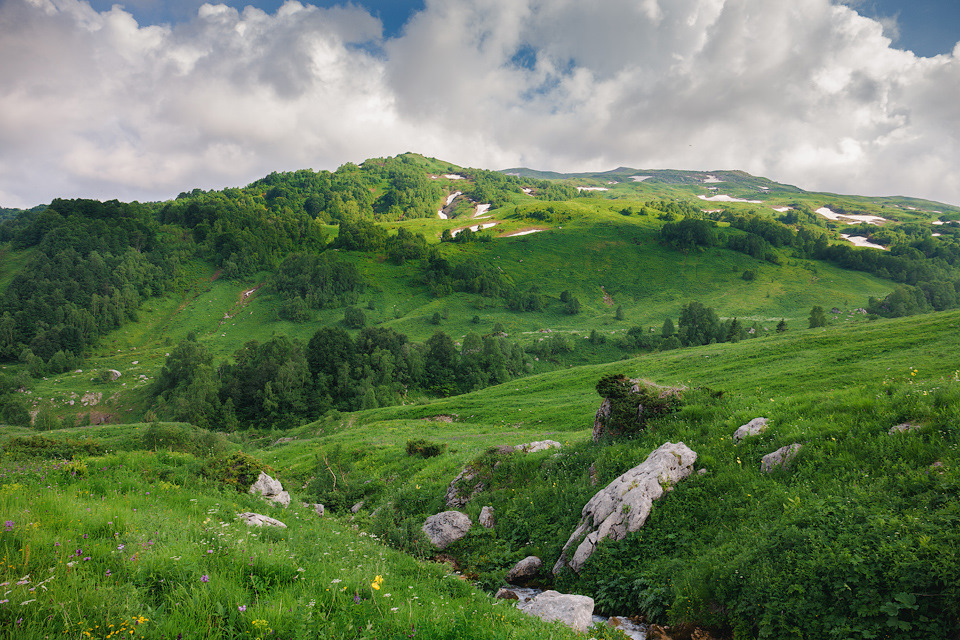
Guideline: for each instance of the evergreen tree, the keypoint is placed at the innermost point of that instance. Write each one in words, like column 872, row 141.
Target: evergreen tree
column 817, row 317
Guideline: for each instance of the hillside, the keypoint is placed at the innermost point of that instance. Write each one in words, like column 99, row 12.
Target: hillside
column 369, row 332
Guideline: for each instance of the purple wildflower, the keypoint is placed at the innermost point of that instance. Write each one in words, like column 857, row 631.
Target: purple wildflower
column 241, row 608
column 204, row 578
column 9, row 525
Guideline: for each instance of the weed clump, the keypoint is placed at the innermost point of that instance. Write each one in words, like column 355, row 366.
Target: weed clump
column 424, row 448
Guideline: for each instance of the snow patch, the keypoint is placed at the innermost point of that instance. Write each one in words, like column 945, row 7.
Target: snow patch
column 592, row 189
column 453, row 196
column 712, row 180
column 781, row 209
column 856, row 218
column 860, row 241
column 938, row 222
column 521, row 233
column 442, row 215
column 639, row 178
column 452, row 176
column 481, row 209
column 724, row 198
column 476, row 227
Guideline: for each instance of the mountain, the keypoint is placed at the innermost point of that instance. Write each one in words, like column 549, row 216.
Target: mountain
column 370, row 332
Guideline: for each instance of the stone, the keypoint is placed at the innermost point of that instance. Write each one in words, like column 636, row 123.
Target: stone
column 753, row 428
column 506, row 594
column 443, row 529
column 525, row 570
column 270, row 489
column 356, row 508
column 903, row 427
column 463, row 488
column 114, row 374
column 779, row 458
column 257, row 520
column 624, row 505
column 574, row 611
column 539, row 445
column 486, row 518
column 316, row 506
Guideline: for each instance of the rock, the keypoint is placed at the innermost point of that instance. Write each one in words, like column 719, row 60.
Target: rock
column 780, row 457
column 445, row 528
column 624, row 504
column 283, row 441
column 506, row 594
column 356, row 508
column 270, row 489
column 114, row 374
column 638, row 392
column 573, row 611
column 463, row 488
column 486, row 518
column 903, row 427
column 600, row 419
column 592, row 473
column 257, row 520
column 316, row 506
column 753, row 428
column 539, row 445
column 525, row 570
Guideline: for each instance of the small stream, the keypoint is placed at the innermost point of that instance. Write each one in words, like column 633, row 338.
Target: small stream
column 632, row 629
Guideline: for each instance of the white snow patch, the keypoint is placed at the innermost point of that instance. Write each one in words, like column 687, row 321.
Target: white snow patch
column 453, row 196
column 452, row 176
column 476, row 227
column 592, row 189
column 938, row 222
column 781, row 209
column 712, row 180
column 481, row 209
column 860, row 241
column 857, row 219
column 937, row 235
column 522, row 233
column 723, row 198
column 639, row 178
column 442, row 215
column 527, row 190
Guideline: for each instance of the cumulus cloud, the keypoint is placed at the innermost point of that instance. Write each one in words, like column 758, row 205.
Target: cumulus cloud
column 811, row 93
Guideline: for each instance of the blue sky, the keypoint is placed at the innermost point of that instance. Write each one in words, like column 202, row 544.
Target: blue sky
column 144, row 99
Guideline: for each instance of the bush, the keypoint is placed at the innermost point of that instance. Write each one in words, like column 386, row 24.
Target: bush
column 424, row 448
column 633, row 403
column 185, row 438
column 238, row 470
column 50, row 449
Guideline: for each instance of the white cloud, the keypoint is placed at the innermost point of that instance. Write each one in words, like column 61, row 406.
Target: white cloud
column 93, row 104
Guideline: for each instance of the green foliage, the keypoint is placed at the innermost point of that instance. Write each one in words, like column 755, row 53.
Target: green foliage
column 633, row 404
column 317, row 281
column 817, row 318
column 44, row 448
column 184, row 438
column 239, row 470
column 424, row 448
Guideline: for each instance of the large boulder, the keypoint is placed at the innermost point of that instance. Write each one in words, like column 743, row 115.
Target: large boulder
column 525, row 570
column 753, row 428
column 779, row 458
column 270, row 489
column 624, row 505
column 443, row 529
column 256, row 520
column 573, row 611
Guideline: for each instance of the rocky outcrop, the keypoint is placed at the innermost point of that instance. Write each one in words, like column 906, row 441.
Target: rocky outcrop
column 463, row 488
column 539, row 445
column 486, row 518
column 753, row 428
column 640, row 399
column 573, row 611
column 903, row 427
column 601, row 418
column 270, row 489
column 525, row 570
column 446, row 528
column 779, row 458
column 624, row 505
column 257, row 520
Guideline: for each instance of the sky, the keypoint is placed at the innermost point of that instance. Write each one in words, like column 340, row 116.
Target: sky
column 143, row 99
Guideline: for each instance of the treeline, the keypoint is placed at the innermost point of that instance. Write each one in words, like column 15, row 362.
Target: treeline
column 697, row 325
column 92, row 265
column 926, row 266
column 282, row 383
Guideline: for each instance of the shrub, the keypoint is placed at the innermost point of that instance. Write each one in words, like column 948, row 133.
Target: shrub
column 238, row 470
column 633, row 403
column 50, row 449
column 424, row 448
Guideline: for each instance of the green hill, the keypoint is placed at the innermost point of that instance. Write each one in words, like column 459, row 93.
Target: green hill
column 324, row 321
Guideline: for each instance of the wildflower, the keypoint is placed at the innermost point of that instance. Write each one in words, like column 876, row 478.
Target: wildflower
column 394, row 608
column 356, row 598
column 376, row 583
column 335, row 581
column 120, row 547
column 108, row 573
column 9, row 525
column 204, row 578
column 241, row 608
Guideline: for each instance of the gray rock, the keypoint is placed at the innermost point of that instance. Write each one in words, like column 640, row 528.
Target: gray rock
column 114, row 374
column 316, row 506
column 600, row 420
column 463, row 488
column 356, row 508
column 257, row 520
column 539, row 445
column 573, row 611
column 624, row 504
column 780, row 457
column 443, row 529
column 270, row 489
column 486, row 518
column 525, row 570
column 903, row 427
column 753, row 428
column 506, row 594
